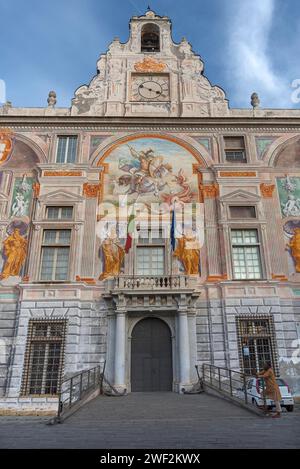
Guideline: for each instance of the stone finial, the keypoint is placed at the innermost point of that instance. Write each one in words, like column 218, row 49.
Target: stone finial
column 51, row 99
column 255, row 101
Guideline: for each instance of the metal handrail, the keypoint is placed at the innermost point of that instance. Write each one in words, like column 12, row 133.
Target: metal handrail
column 77, row 387
column 230, row 382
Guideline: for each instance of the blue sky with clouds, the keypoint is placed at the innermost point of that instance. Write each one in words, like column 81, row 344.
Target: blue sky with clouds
column 247, row 45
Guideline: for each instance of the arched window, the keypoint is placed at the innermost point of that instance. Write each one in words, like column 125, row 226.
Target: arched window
column 150, row 38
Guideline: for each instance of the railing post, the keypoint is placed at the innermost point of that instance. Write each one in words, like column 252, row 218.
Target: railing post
column 71, row 392
column 219, row 375
column 88, row 386
column 264, row 394
column 210, row 374
column 245, row 389
column 230, row 382
column 80, row 388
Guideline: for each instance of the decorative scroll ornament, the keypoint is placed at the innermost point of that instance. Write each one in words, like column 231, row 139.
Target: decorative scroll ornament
column 5, row 144
column 267, row 190
column 210, row 191
column 149, row 65
column 91, row 190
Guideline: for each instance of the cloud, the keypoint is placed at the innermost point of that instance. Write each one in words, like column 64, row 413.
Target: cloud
column 249, row 57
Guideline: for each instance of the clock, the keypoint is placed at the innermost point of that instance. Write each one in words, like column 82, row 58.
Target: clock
column 150, row 87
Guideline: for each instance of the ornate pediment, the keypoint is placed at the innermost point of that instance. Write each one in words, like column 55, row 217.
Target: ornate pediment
column 185, row 90
column 61, row 196
column 240, row 196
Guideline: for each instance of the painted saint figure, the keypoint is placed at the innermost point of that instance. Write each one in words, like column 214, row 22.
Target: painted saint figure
column 295, row 248
column 188, row 252
column 113, row 255
column 14, row 250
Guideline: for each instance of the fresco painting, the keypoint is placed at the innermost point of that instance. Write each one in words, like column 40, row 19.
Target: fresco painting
column 289, row 196
column 22, row 196
column 154, row 176
column 292, row 238
column 151, row 170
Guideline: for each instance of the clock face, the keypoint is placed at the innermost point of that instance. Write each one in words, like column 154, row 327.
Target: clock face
column 150, row 88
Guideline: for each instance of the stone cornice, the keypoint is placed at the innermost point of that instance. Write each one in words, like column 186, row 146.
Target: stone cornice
column 213, row 124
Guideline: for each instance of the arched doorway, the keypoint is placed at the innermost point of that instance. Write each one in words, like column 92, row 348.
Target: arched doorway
column 151, row 356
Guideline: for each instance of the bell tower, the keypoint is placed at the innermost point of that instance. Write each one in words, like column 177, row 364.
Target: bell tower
column 150, row 75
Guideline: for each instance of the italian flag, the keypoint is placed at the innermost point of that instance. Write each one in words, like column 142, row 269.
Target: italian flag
column 130, row 230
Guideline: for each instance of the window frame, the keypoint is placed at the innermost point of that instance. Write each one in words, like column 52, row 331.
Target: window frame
column 150, row 244
column 250, row 219
column 60, row 207
column 55, row 246
column 66, row 135
column 245, row 148
column 260, row 251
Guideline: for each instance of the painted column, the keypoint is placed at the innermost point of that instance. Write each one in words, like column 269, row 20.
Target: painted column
column 120, row 350
column 274, row 241
column 184, row 350
column 210, row 192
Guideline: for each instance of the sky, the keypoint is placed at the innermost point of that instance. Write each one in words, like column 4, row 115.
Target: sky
column 246, row 45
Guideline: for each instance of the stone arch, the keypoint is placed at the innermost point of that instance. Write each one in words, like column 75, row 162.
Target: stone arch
column 21, row 143
column 285, row 152
column 199, row 152
column 150, row 38
column 165, row 320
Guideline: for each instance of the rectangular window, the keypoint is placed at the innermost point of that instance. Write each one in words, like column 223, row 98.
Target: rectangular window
column 235, row 149
column 246, row 254
column 44, row 357
column 256, row 338
column 155, row 235
column 239, row 211
column 66, row 149
column 150, row 260
column 55, row 255
column 59, row 213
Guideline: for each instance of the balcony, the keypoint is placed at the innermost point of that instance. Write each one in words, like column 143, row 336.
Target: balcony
column 139, row 293
column 153, row 282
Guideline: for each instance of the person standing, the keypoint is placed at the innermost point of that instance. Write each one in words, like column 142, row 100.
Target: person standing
column 272, row 390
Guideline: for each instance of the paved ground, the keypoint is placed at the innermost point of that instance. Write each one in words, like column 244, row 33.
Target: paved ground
column 155, row 420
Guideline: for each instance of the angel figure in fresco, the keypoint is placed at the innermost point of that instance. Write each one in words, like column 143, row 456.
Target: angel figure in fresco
column 113, row 254
column 188, row 252
column 294, row 245
column 19, row 207
column 145, row 172
column 14, row 250
column 291, row 207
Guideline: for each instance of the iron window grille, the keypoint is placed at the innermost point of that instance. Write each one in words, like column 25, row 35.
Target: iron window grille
column 257, row 343
column 44, row 357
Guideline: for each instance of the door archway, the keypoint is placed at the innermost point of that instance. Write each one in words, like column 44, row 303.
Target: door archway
column 151, row 356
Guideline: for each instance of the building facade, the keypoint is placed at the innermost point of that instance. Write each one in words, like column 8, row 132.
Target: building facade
column 148, row 226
